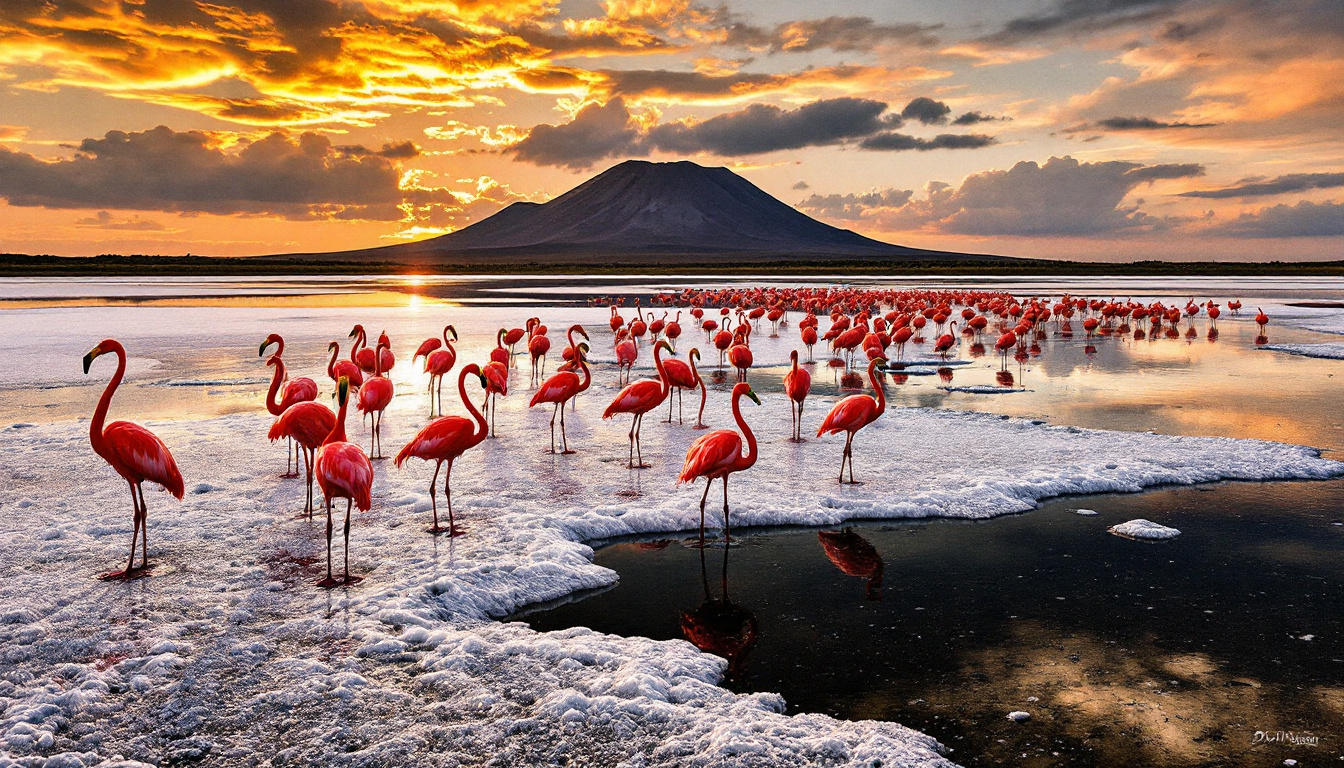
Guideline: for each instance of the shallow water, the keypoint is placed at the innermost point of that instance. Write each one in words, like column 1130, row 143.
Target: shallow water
column 969, row 625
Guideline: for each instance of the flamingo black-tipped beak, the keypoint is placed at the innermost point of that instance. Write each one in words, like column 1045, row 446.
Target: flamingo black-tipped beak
column 342, row 390
column 352, row 334
column 262, row 351
column 752, row 394
column 484, row 383
column 89, row 358
column 453, row 331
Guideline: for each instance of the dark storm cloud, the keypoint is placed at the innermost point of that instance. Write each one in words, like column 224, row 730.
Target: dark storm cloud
column 837, row 33
column 926, row 111
column 598, row 132
column 1293, row 182
column 1085, row 15
column 766, row 128
column 190, row 171
column 971, row 118
column 898, row 142
column 1306, row 219
column 1142, row 124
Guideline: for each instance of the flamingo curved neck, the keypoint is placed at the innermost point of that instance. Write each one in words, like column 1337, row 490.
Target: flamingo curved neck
column 361, row 341
column 662, row 373
column 273, row 405
column 331, row 364
column 337, row 434
column 482, row 428
column 105, row 402
column 750, row 459
column 587, row 375
column 881, row 396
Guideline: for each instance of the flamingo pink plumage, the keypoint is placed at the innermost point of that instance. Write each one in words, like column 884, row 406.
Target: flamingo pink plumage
column 559, row 388
column 283, row 393
column 307, row 424
column 135, row 453
column 444, row 440
column 638, row 399
column 797, row 385
column 343, row 471
column 854, row 413
column 437, row 363
column 374, row 397
column 338, row 368
column 718, row 454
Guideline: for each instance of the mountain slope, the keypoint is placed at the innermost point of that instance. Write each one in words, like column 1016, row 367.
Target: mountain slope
column 680, row 210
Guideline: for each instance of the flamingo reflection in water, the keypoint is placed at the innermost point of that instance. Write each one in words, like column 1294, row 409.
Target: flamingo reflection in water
column 854, row 556
column 720, row 627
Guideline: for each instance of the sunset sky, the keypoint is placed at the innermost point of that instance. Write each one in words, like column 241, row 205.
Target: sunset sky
column 1087, row 129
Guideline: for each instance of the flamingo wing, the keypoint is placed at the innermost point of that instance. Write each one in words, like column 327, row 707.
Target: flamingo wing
column 848, row 415
column 300, row 390
column 375, row 395
column 557, row 389
column 678, row 374
column 710, row 454
column 344, row 472
column 308, row 423
column 440, row 361
column 427, row 346
column 797, row 384
column 443, row 438
column 138, row 454
column 640, row 397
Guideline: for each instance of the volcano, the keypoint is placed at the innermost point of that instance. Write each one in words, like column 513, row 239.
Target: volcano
column 685, row 212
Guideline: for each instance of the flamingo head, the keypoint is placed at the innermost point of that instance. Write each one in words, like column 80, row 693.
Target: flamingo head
column 877, row 362
column 744, row 389
column 664, row 345
column 576, row 328
column 358, row 330
column 583, row 350
column 384, row 341
column 694, row 354
column 334, row 347
column 452, row 330
column 274, row 338
column 342, row 391
column 93, row 355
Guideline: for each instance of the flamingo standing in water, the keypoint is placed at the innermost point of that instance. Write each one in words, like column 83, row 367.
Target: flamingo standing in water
column 135, row 453
column 681, row 377
column 854, row 413
column 718, row 454
column 672, row 331
column 638, row 399
column 300, row 390
column 307, row 424
column 1261, row 319
column 385, row 356
column 559, row 388
column 437, row 363
column 338, row 368
column 538, row 344
column 499, row 354
column 374, row 397
column 627, row 352
column 343, row 472
column 797, row 384
column 445, row 439
column 496, row 383
column 360, row 354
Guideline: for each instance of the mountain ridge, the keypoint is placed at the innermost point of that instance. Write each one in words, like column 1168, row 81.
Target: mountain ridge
column 639, row 208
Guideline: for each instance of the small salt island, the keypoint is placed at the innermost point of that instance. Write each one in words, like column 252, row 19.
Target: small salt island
column 1144, row 530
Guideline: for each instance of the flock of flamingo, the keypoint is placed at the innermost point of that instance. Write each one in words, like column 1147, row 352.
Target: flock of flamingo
column 343, row 470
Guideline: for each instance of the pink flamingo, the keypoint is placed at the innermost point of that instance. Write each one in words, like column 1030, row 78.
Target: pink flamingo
column 343, row 472
column 718, row 454
column 797, row 385
column 537, row 346
column 680, row 376
column 135, row 453
column 445, row 439
column 360, row 354
column 307, row 424
column 672, row 331
column 385, row 356
column 496, row 383
column 374, row 397
column 300, row 390
column 499, row 354
column 338, row 368
column 638, row 399
column 854, row 413
column 561, row 387
column 437, row 363
column 627, row 352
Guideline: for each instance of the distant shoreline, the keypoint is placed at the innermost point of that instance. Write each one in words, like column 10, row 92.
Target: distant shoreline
column 19, row 265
